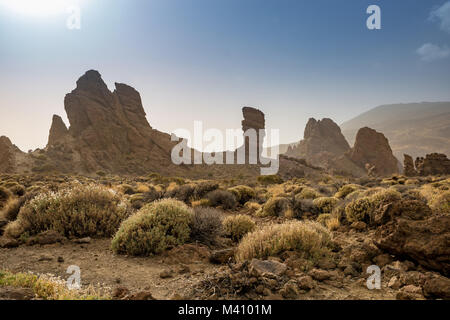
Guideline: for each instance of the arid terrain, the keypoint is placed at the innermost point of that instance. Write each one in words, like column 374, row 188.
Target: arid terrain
column 261, row 238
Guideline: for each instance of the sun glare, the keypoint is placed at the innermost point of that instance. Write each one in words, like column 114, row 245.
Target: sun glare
column 37, row 7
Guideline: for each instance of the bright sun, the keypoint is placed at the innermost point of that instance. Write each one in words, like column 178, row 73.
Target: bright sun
column 38, row 7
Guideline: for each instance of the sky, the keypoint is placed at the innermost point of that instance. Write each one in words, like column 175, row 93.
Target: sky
column 206, row 59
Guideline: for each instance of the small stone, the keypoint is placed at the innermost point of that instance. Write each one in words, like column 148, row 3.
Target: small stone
column 265, row 267
column 45, row 258
column 60, row 259
column 120, row 292
column 320, row 275
column 166, row 274
column 184, row 269
column 394, row 283
column 143, row 295
column 8, row 243
column 306, row 283
column 221, row 256
column 259, row 289
column 290, row 290
column 85, row 240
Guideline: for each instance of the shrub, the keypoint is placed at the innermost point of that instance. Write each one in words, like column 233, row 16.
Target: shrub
column 252, row 206
column 359, row 210
column 441, row 202
column 333, row 223
column 275, row 206
column 127, row 189
column 303, row 207
column 79, row 211
column 182, row 193
column 270, row 179
column 345, row 191
column 5, row 194
column 323, row 218
column 325, row 204
column 243, row 193
column 206, row 225
column 11, row 208
column 308, row 193
column 238, row 226
column 17, row 189
column 309, row 238
column 222, row 198
column 201, row 203
column 385, row 197
column 154, row 228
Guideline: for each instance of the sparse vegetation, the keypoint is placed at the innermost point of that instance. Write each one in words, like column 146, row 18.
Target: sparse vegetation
column 206, row 225
column 155, row 227
column 309, row 238
column 237, row 226
column 359, row 210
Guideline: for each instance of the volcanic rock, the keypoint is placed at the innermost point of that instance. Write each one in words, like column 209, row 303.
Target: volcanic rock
column 408, row 166
column 322, row 140
column 433, row 164
column 58, row 131
column 372, row 148
column 7, row 162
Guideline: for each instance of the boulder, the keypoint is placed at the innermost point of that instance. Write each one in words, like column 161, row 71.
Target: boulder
column 264, row 267
column 426, row 242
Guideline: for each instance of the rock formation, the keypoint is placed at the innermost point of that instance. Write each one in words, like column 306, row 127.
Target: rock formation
column 7, row 149
column 372, row 148
column 108, row 131
column 253, row 124
column 433, row 164
column 58, row 131
column 408, row 166
column 322, row 141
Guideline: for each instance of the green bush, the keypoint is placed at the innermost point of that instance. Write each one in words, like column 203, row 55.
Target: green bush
column 325, row 204
column 237, row 226
column 243, row 193
column 79, row 211
column 154, row 228
column 359, row 210
column 309, row 238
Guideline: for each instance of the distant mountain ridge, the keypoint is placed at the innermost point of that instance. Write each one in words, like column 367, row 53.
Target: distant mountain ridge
column 416, row 129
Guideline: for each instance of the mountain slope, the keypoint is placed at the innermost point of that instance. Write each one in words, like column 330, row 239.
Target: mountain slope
column 416, row 129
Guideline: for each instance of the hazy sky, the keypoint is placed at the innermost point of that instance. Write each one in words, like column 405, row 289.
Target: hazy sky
column 205, row 59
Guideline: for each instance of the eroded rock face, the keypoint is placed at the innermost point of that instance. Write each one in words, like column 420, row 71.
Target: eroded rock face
column 7, row 162
column 108, row 130
column 433, row 164
column 408, row 166
column 253, row 119
column 425, row 241
column 323, row 140
column 58, row 131
column 372, row 148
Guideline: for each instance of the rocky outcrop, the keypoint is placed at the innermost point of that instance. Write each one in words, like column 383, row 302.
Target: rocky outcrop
column 108, row 131
column 253, row 124
column 433, row 164
column 372, row 148
column 7, row 150
column 424, row 239
column 322, row 141
column 58, row 131
column 408, row 166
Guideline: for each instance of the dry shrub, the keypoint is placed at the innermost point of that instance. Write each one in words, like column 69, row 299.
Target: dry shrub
column 243, row 193
column 79, row 211
column 270, row 179
column 325, row 204
column 276, row 206
column 206, row 225
column 346, row 190
column 12, row 208
column 323, row 218
column 304, row 207
column 308, row 193
column 307, row 237
column 252, row 206
column 222, row 198
column 441, row 202
column 200, row 203
column 359, row 210
column 155, row 227
column 333, row 223
column 237, row 226
column 5, row 194
column 384, row 197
